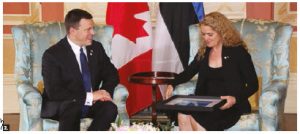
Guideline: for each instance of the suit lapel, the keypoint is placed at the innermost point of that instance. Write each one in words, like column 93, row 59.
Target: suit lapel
column 71, row 58
column 227, row 61
column 89, row 53
column 91, row 62
column 226, row 57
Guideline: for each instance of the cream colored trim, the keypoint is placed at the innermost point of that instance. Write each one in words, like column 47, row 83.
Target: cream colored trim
column 10, row 96
column 13, row 22
column 40, row 12
column 7, row 36
column 18, row 15
column 9, row 79
column 291, row 98
column 294, row 34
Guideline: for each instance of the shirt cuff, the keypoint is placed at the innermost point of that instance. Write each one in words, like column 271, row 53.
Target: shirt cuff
column 89, row 99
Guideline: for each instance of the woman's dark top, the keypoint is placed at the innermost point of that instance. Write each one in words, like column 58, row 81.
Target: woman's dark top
column 236, row 77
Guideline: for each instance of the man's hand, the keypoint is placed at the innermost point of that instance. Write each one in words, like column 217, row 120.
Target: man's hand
column 101, row 95
column 230, row 102
column 169, row 91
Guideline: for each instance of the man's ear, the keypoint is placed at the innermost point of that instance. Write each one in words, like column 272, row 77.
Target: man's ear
column 72, row 30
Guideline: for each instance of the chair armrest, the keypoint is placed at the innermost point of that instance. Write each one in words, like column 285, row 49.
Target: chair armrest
column 27, row 93
column 271, row 104
column 119, row 98
column 30, row 110
column 120, row 94
column 185, row 88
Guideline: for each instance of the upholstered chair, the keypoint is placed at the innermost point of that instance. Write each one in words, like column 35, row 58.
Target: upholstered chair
column 268, row 44
column 31, row 40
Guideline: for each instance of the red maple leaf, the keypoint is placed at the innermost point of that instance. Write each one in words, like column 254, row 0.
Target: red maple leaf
column 121, row 17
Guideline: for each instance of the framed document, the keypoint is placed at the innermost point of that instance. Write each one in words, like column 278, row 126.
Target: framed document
column 190, row 103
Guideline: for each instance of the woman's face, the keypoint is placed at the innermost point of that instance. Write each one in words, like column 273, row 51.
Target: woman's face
column 211, row 38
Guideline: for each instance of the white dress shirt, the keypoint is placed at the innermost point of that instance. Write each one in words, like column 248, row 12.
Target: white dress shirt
column 76, row 50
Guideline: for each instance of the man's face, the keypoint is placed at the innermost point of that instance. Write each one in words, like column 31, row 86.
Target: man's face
column 83, row 35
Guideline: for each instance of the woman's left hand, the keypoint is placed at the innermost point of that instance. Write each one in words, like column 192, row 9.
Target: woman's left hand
column 230, row 102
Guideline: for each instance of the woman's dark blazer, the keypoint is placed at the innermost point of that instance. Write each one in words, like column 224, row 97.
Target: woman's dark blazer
column 238, row 71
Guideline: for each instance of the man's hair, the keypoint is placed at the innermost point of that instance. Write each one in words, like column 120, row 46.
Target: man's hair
column 73, row 18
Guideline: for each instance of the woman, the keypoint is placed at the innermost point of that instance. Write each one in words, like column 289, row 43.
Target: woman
column 225, row 69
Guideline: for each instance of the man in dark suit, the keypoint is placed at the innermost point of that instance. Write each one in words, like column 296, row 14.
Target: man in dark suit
column 73, row 70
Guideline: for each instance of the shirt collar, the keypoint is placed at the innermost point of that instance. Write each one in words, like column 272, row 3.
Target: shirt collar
column 75, row 47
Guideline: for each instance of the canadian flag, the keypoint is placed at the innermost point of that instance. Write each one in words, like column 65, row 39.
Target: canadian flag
column 132, row 49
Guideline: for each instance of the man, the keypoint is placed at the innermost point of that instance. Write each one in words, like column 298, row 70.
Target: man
column 73, row 70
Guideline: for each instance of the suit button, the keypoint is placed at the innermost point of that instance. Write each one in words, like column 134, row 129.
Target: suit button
column 74, row 100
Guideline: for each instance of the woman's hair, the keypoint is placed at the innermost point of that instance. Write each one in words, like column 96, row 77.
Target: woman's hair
column 224, row 27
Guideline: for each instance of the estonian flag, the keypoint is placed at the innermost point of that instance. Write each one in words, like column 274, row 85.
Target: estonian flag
column 171, row 42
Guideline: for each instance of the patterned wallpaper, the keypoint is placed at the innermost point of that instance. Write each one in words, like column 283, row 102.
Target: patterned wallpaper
column 98, row 10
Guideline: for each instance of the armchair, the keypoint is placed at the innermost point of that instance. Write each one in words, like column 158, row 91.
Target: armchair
column 31, row 40
column 268, row 44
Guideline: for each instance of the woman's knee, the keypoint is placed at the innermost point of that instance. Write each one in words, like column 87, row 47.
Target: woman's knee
column 184, row 122
column 183, row 116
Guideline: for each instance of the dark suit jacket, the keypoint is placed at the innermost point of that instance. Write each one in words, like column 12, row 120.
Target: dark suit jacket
column 62, row 76
column 238, row 72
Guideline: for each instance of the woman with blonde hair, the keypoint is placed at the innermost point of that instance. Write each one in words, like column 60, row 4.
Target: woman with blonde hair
column 225, row 69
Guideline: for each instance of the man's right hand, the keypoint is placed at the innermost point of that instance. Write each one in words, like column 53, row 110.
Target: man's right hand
column 169, row 91
column 101, row 95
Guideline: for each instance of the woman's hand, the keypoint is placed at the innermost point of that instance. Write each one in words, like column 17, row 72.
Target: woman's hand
column 169, row 91
column 230, row 102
